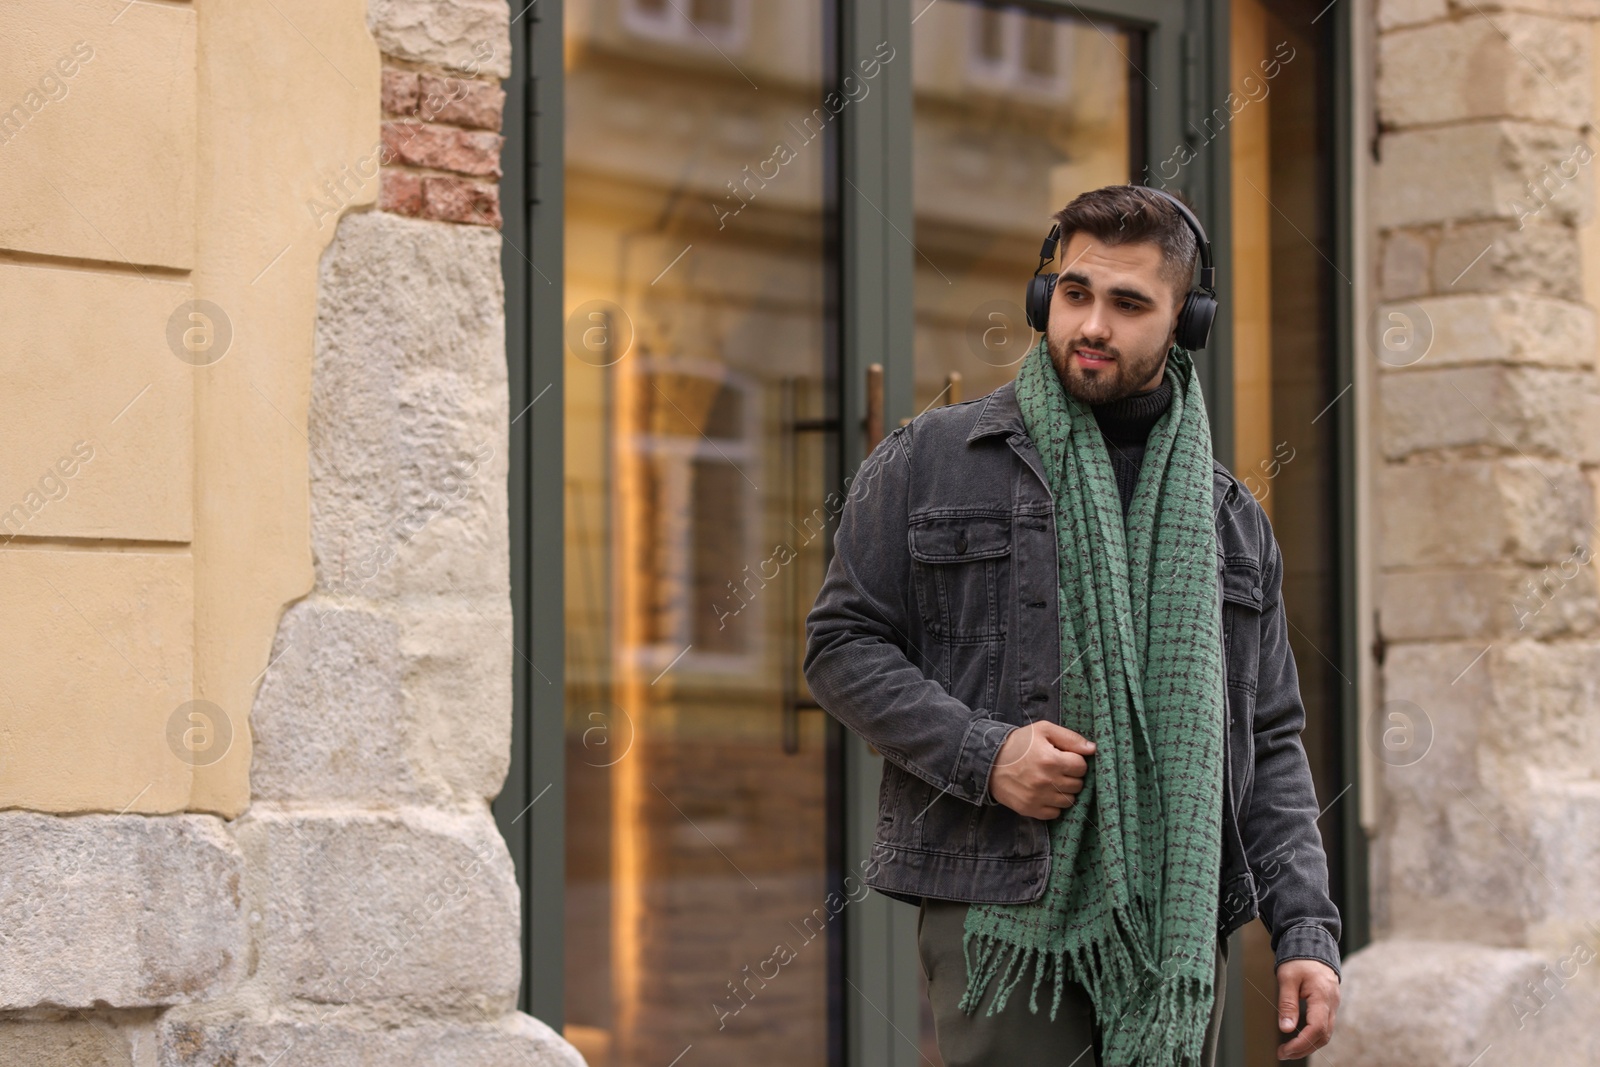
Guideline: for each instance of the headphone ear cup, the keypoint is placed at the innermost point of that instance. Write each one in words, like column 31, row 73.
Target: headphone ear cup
column 1041, row 290
column 1194, row 321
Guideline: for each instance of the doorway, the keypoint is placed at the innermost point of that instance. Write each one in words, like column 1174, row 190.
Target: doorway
column 1016, row 110
column 738, row 235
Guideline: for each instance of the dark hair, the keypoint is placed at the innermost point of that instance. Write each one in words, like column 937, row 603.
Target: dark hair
column 1124, row 214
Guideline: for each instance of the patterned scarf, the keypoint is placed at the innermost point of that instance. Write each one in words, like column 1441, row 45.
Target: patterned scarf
column 1130, row 908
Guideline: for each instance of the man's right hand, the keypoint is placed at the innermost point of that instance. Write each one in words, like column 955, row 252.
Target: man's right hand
column 1039, row 770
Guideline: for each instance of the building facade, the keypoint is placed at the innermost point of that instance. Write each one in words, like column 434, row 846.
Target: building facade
column 425, row 421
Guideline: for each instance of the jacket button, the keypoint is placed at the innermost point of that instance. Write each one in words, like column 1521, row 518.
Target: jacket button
column 1255, row 591
column 961, row 541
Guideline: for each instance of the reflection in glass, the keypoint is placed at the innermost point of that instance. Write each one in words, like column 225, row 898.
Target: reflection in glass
column 698, row 325
column 1288, row 393
column 1015, row 114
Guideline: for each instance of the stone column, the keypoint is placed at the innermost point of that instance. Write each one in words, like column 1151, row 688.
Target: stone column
column 1485, row 895
column 384, row 910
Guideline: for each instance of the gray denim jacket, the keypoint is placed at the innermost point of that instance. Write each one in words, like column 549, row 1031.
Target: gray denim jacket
column 936, row 634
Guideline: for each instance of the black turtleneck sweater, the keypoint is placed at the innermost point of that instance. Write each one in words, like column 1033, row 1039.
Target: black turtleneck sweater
column 1126, row 425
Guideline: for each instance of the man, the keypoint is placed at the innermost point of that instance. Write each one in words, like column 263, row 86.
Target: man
column 1059, row 620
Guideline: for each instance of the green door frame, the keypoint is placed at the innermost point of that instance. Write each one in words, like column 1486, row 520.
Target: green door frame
column 880, row 1000
column 1184, row 65
column 1355, row 881
column 531, row 809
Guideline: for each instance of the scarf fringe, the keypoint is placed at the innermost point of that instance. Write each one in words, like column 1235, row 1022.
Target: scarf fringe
column 1168, row 1028
column 1107, row 966
column 1172, row 1034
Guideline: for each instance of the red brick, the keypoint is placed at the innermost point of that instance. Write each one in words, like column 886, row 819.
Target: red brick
column 461, row 101
column 392, row 137
column 419, row 144
column 461, row 200
column 399, row 192
column 399, row 92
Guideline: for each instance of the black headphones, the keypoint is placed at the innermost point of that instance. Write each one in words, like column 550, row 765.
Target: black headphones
column 1199, row 307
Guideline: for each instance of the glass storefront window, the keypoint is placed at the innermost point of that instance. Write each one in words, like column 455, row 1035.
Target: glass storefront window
column 1015, row 114
column 698, row 329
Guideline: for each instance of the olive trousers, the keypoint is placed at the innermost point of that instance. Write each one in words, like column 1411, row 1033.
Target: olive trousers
column 1016, row 1037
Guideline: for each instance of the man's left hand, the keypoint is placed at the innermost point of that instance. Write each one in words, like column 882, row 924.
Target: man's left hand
column 1318, row 985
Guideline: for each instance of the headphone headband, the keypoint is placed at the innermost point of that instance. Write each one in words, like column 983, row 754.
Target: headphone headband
column 1207, row 271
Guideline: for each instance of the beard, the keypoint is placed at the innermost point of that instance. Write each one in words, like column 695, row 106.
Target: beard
column 1126, row 375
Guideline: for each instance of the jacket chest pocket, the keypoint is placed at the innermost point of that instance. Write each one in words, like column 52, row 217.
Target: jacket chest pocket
column 961, row 568
column 1242, row 598
column 1241, row 620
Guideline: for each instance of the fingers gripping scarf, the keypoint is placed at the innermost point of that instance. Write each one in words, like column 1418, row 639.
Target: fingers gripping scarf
column 1130, row 908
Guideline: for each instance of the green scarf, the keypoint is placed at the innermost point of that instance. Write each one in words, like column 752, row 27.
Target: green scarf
column 1130, row 908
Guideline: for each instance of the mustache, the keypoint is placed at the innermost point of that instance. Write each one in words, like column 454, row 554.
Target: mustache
column 1083, row 342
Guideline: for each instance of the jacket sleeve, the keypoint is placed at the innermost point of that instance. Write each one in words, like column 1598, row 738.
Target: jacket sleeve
column 858, row 659
column 1283, row 844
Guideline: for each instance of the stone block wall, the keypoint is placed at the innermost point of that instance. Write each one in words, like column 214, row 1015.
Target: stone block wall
column 363, row 908
column 1486, row 414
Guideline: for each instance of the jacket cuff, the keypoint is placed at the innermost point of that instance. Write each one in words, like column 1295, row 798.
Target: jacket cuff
column 969, row 780
column 1308, row 941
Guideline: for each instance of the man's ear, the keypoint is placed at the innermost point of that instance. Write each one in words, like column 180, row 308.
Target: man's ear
column 1177, row 310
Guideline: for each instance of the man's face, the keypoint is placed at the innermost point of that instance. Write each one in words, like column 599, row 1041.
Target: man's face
column 1112, row 319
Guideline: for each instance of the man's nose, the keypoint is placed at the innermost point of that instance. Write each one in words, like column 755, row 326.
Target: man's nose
column 1096, row 327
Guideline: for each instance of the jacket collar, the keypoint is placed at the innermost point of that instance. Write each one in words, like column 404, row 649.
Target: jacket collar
column 1001, row 414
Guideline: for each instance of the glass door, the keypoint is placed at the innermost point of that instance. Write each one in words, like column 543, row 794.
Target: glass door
column 699, row 333
column 1016, row 109
column 741, row 239
column 1016, row 112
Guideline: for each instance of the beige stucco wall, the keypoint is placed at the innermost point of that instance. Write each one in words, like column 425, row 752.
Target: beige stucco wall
column 303, row 526
column 160, row 153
